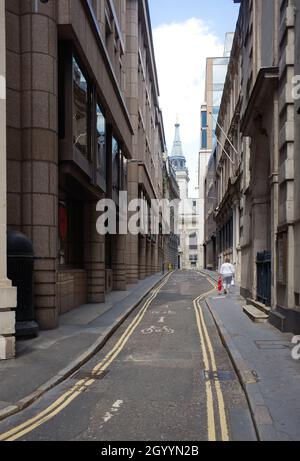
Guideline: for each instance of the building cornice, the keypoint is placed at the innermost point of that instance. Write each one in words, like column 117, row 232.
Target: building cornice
column 266, row 82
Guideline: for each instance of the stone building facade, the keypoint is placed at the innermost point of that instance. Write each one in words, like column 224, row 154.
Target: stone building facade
column 216, row 70
column 171, row 240
column 210, row 192
column 256, row 214
column 83, row 124
column 190, row 248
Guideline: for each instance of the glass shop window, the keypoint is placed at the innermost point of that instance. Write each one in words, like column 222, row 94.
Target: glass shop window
column 80, row 109
column 115, row 164
column 101, row 142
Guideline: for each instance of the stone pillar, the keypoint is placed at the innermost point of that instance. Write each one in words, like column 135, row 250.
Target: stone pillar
column 132, row 253
column 236, row 240
column 142, row 257
column 234, row 252
column 94, row 256
column 154, row 258
column 148, row 258
column 118, row 262
column 260, row 212
column 132, row 100
column 238, row 243
column 40, row 152
column 8, row 294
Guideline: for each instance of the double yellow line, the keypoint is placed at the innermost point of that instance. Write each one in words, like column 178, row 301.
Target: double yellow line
column 82, row 385
column 211, row 366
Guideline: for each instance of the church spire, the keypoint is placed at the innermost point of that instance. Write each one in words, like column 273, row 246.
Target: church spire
column 177, row 146
column 177, row 157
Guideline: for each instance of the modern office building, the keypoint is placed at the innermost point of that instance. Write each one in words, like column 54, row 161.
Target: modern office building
column 83, row 124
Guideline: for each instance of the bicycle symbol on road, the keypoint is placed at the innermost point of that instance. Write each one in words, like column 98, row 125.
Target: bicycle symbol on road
column 153, row 329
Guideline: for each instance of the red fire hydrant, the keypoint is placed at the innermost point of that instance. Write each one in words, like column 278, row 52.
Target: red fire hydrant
column 220, row 285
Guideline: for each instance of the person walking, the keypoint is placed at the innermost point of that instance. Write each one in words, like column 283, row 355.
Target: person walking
column 227, row 273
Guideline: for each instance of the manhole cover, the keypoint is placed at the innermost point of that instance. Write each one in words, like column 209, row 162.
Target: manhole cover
column 219, row 375
column 272, row 345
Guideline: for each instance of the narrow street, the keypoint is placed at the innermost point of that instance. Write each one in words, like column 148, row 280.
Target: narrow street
column 164, row 375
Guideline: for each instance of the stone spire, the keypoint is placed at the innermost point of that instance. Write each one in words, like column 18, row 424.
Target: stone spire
column 177, row 157
column 177, row 146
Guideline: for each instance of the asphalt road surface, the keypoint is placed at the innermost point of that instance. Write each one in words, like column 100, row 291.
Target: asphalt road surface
column 163, row 376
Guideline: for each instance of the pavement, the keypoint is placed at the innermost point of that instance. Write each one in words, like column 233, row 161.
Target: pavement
column 262, row 357
column 47, row 360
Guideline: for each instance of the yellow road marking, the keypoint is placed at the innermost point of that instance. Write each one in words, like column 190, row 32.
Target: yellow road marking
column 220, row 398
column 211, row 426
column 65, row 400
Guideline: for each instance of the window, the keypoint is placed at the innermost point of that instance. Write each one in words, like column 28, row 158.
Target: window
column 124, row 172
column 115, row 164
column 101, row 142
column 193, row 241
column 204, row 119
column 204, row 129
column 204, row 139
column 81, row 99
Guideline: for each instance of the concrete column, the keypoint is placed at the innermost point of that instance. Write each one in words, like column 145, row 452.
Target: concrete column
column 94, row 256
column 8, row 294
column 142, row 257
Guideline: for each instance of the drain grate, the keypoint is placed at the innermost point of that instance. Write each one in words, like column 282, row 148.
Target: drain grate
column 219, row 375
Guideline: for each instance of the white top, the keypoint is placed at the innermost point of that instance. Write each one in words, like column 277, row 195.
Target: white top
column 227, row 269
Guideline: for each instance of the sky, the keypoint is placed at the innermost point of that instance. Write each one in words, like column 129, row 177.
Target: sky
column 185, row 33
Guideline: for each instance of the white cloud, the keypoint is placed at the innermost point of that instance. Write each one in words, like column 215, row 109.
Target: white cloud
column 181, row 50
